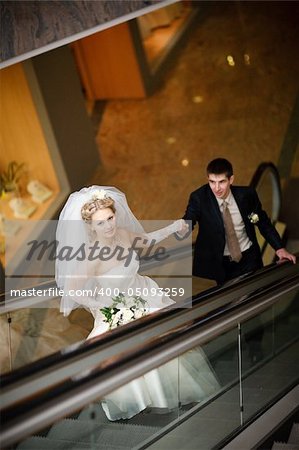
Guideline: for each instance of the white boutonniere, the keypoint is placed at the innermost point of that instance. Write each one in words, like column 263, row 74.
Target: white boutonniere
column 124, row 309
column 253, row 217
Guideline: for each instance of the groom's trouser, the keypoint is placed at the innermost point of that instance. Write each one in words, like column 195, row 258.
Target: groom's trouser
column 250, row 262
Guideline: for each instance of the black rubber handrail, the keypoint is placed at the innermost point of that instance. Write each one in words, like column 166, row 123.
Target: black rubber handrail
column 208, row 302
column 78, row 389
column 258, row 175
column 261, row 169
column 74, row 350
column 285, row 274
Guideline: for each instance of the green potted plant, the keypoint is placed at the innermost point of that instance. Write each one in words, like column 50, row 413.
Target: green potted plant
column 10, row 178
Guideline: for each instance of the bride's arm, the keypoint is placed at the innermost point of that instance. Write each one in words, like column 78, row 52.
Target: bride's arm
column 83, row 289
column 144, row 240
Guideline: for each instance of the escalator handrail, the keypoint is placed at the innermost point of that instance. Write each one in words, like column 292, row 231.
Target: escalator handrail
column 258, row 175
column 74, row 350
column 202, row 304
column 101, row 378
column 126, row 338
column 261, row 169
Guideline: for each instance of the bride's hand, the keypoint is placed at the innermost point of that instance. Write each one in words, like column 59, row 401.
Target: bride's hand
column 183, row 228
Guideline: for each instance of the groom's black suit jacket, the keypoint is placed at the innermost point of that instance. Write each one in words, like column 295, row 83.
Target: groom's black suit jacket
column 203, row 209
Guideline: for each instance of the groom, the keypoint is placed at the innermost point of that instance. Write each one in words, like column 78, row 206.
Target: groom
column 226, row 245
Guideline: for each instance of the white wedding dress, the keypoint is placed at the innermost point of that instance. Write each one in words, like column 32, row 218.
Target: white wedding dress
column 186, row 379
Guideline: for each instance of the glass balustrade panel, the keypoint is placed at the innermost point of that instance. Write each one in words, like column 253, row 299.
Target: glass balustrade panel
column 270, row 363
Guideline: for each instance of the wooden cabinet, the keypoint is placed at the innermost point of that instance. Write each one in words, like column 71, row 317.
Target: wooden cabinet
column 23, row 140
column 108, row 64
column 44, row 125
column 22, row 137
column 129, row 60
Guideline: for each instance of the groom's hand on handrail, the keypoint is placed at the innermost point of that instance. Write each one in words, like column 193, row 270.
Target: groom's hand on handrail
column 283, row 254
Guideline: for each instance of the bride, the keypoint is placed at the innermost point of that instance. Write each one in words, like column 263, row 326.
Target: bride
column 97, row 224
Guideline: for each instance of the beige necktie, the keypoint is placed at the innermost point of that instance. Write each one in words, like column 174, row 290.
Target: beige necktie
column 231, row 237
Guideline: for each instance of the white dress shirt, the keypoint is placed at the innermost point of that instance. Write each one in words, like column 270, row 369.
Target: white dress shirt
column 238, row 222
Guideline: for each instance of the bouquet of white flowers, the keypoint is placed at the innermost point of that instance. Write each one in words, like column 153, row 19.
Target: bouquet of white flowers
column 124, row 310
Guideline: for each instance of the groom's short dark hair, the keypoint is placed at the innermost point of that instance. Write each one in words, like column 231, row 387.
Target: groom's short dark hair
column 219, row 166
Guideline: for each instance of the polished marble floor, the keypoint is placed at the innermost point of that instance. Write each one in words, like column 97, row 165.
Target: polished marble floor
column 230, row 92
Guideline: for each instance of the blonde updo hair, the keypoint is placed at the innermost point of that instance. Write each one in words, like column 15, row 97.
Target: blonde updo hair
column 92, row 206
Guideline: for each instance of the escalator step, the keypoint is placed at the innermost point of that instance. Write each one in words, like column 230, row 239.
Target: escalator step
column 284, row 446
column 294, row 435
column 43, row 443
column 128, row 438
column 150, row 417
column 106, row 434
column 74, row 430
column 95, row 413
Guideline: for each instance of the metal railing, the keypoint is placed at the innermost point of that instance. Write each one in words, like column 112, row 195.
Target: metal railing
column 60, row 385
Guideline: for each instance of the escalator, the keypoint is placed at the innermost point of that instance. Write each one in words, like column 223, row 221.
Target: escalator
column 242, row 338
column 58, row 401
